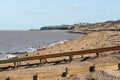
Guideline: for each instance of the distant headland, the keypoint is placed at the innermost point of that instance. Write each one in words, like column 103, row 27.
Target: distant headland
column 85, row 27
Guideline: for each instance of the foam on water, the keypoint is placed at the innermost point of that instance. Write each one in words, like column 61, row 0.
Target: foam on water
column 60, row 42
column 7, row 56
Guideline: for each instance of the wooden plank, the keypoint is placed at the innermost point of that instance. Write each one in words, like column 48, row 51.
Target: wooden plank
column 99, row 50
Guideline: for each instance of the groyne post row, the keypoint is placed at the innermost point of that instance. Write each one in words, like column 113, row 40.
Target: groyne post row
column 68, row 72
column 17, row 61
column 93, row 68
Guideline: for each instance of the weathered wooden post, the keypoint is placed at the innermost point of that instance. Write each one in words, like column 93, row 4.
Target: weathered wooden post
column 18, row 64
column 82, row 56
column 98, row 55
column 14, row 65
column 36, row 77
column 70, row 58
column 8, row 78
column 118, row 66
column 64, row 74
column 42, row 61
column 92, row 68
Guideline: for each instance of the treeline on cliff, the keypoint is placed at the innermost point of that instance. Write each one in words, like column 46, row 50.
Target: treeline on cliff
column 61, row 27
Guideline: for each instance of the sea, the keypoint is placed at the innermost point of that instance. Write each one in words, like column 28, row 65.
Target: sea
column 26, row 41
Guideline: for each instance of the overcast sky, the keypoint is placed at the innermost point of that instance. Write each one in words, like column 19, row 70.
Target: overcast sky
column 26, row 14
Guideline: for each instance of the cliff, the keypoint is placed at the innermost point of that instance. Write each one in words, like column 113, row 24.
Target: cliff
column 87, row 27
column 62, row 27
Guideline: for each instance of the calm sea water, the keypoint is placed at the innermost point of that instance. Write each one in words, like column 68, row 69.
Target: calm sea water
column 22, row 41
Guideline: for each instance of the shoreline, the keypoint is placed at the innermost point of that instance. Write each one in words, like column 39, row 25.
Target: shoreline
column 99, row 65
column 52, row 44
column 77, row 32
column 17, row 53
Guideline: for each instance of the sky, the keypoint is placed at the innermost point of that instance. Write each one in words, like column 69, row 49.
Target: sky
column 27, row 14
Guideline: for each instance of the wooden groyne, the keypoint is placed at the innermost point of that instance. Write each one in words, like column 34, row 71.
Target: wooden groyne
column 67, row 72
column 17, row 61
